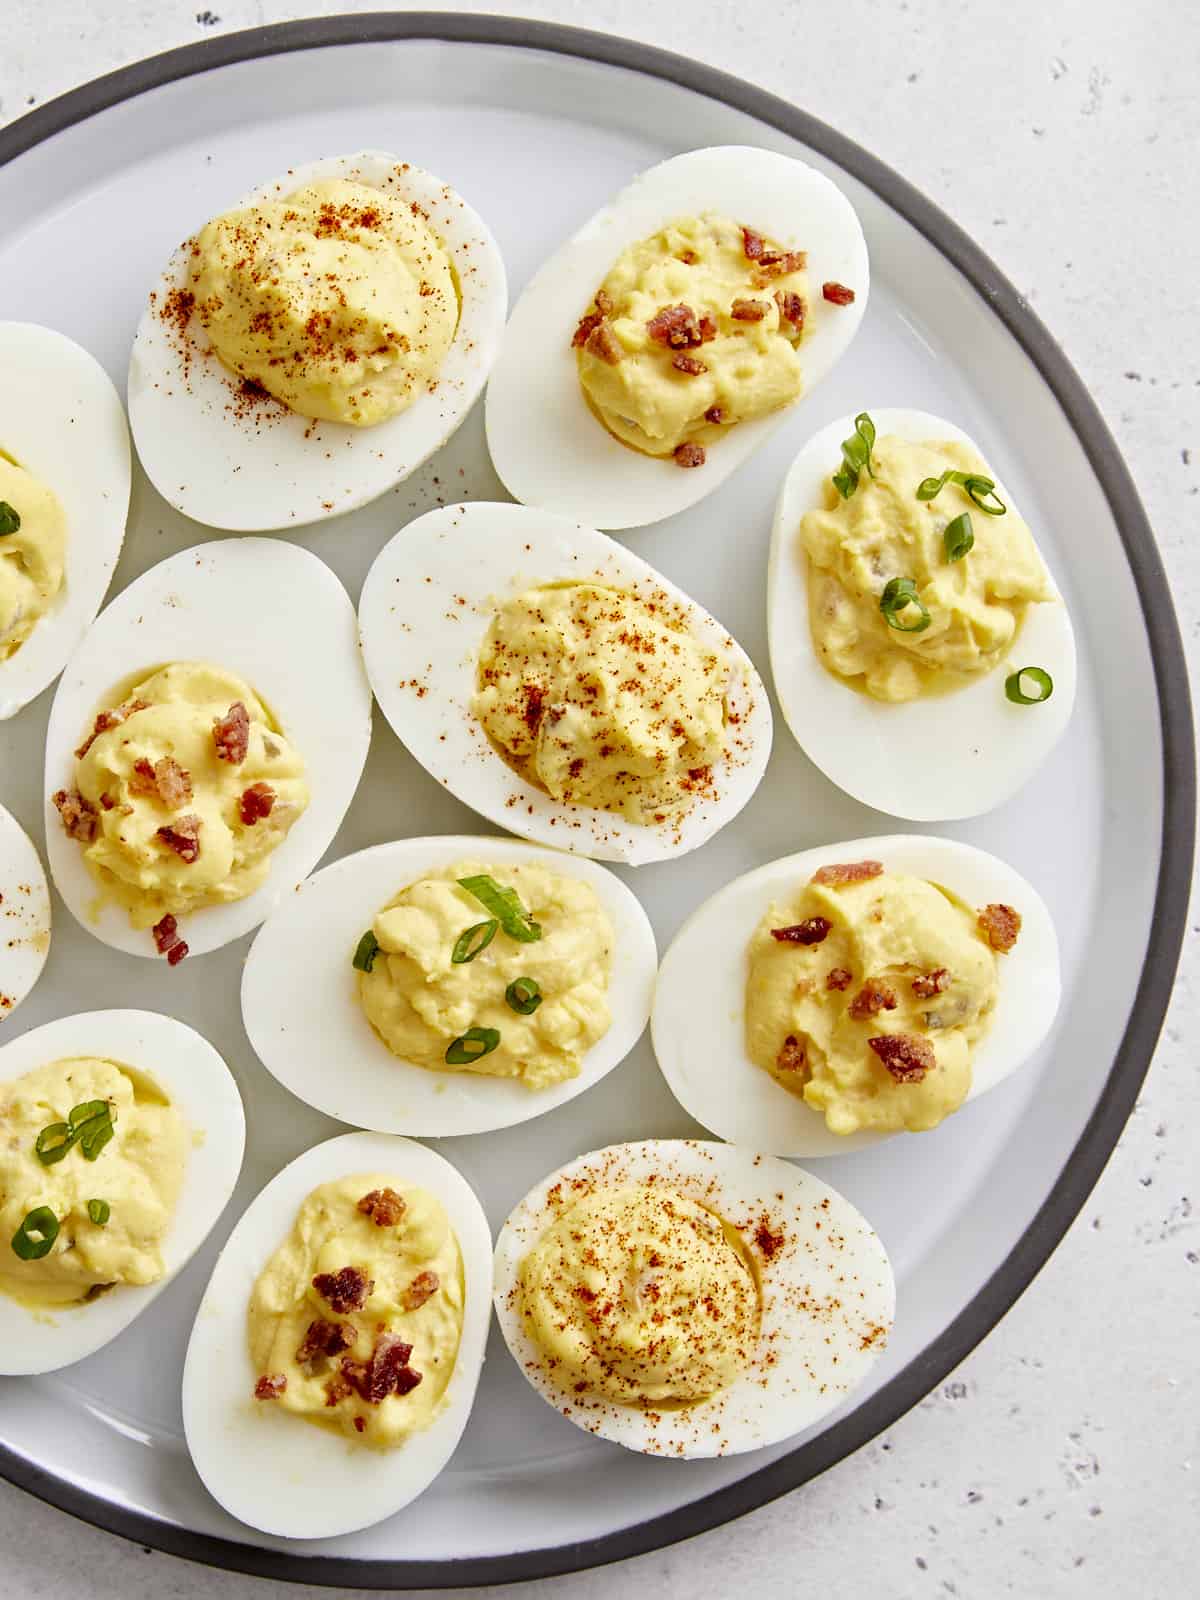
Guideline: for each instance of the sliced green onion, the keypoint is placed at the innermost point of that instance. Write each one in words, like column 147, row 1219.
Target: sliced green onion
column 368, row 949
column 90, row 1126
column 856, row 454
column 898, row 594
column 93, row 1136
column 474, row 941
column 86, row 1112
column 99, row 1211
column 36, row 1235
column 505, row 905
column 471, row 1046
column 53, row 1143
column 524, row 995
column 1015, row 690
column 10, row 518
column 978, row 489
column 958, row 537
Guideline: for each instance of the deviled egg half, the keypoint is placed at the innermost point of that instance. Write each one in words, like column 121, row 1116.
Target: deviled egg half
column 460, row 984
column 560, row 686
column 922, row 654
column 835, row 997
column 24, row 914
column 121, row 1137
column 662, row 344
column 685, row 1298
column 204, row 745
column 335, row 1356
column 309, row 349
column 64, row 498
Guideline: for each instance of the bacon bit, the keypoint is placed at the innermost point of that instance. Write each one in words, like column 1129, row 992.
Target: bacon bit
column 183, row 836
column 141, row 779
column 386, row 1372
column 792, row 1057
column 769, row 1240
column 586, row 326
column 603, row 343
column 384, row 1207
column 688, row 364
column 840, row 872
column 270, row 1386
column 79, row 817
column 689, row 455
column 932, row 983
column 604, row 303
column 324, row 1339
column 838, row 978
column 177, row 953
column 336, row 1391
column 257, row 803
column 715, row 415
column 107, row 720
column 1000, row 925
column 676, row 327
column 907, row 1056
column 874, row 996
column 346, row 1290
column 748, row 310
column 419, row 1290
column 232, row 734
column 780, row 264
column 708, row 330
column 166, row 781
column 360, row 1424
column 107, row 802
column 791, row 307
column 813, row 930
column 166, row 934
column 753, row 244
column 837, row 294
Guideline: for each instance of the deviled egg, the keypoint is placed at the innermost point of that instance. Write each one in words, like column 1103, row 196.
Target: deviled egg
column 560, row 686
column 24, row 914
column 64, row 498
column 204, row 745
column 833, row 998
column 460, row 984
column 922, row 654
column 335, row 1356
column 307, row 351
column 121, row 1137
column 686, row 1298
column 673, row 331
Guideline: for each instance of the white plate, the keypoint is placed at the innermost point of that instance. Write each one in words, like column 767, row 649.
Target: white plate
column 540, row 137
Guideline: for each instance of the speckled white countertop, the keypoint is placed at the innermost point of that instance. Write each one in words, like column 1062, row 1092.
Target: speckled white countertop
column 1058, row 1461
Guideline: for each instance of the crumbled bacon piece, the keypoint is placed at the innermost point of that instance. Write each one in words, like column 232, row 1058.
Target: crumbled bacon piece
column 270, row 1386
column 177, row 953
column 676, row 327
column 778, row 264
column 257, row 802
column 791, row 307
column 931, row 983
column 907, row 1056
column 183, row 836
column 1000, row 926
column 838, row 978
column 232, row 734
column 346, row 1290
column 837, row 294
column 166, row 934
column 79, row 818
column 689, row 454
column 715, row 415
column 166, row 781
column 874, row 996
column 107, row 720
column 688, row 364
column 386, row 1372
column 748, row 310
column 323, row 1339
column 419, row 1290
column 708, row 329
column 753, row 244
column 336, row 1390
column 384, row 1207
column 604, row 303
column 813, row 930
column 603, row 342
column 792, row 1057
column 586, row 326
column 360, row 1425
column 840, row 872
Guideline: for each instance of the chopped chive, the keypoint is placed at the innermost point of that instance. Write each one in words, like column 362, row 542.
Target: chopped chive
column 958, row 537
column 99, row 1211
column 505, row 905
column 1015, row 690
column 978, row 489
column 36, row 1235
column 524, row 995
column 471, row 1046
column 898, row 594
column 473, row 941
column 364, row 955
column 53, row 1143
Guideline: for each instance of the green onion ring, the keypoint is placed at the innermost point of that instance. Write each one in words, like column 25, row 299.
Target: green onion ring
column 53, row 1143
column 364, row 955
column 958, row 537
column 856, row 454
column 524, row 995
column 899, row 593
column 473, row 941
column 471, row 1046
column 505, row 905
column 1014, row 691
column 99, row 1211
column 10, row 518
column 36, row 1235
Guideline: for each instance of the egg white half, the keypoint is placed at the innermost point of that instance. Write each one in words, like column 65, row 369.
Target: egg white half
column 277, row 617
column 24, row 915
column 275, row 1471
column 699, row 1019
column 251, row 469
column 301, row 1009
column 425, row 609
column 934, row 758
column 187, row 1069
column 62, row 420
column 805, row 1365
column 547, row 445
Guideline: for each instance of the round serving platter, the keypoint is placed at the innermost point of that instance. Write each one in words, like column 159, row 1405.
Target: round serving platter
column 536, row 126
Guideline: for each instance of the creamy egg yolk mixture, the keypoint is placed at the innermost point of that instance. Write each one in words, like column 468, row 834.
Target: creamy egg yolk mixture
column 694, row 329
column 868, row 993
column 103, row 1190
column 643, row 1296
column 182, row 792
column 538, row 1003
column 355, row 1321
column 601, row 698
column 338, row 299
column 33, row 542
column 976, row 604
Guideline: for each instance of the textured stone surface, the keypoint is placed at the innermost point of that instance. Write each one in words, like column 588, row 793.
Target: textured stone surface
column 1058, row 1460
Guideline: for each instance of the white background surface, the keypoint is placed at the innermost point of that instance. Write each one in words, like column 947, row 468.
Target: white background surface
column 1058, row 1461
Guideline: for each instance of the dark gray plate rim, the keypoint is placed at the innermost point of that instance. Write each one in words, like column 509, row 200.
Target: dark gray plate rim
column 1132, row 1058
